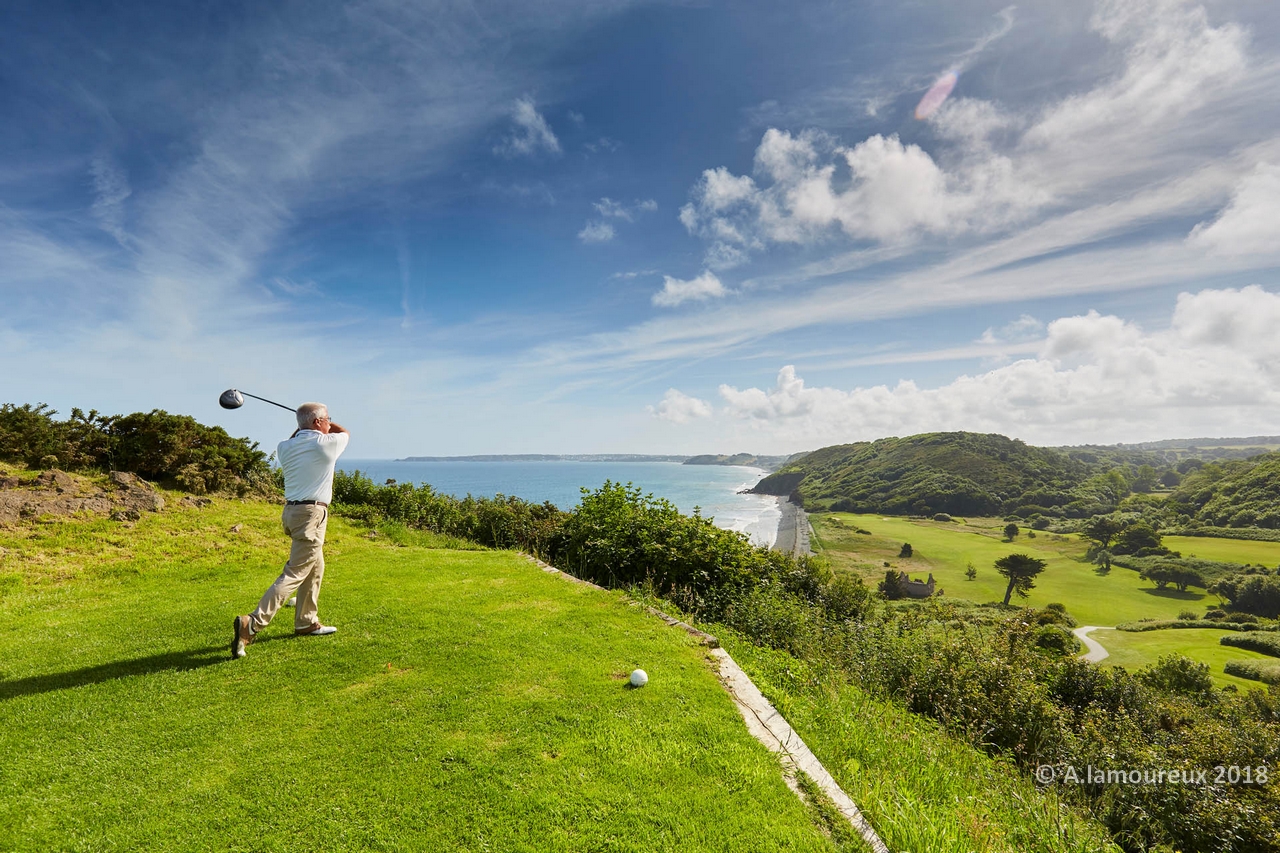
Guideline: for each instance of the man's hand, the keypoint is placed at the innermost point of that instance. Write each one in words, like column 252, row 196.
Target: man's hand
column 337, row 428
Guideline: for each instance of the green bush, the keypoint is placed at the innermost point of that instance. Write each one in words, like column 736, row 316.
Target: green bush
column 1254, row 641
column 1267, row 673
column 1178, row 674
column 174, row 449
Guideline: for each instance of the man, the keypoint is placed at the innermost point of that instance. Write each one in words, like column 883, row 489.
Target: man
column 307, row 459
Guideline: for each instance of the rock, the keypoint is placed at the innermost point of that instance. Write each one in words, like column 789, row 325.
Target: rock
column 236, row 528
column 125, row 514
column 124, row 478
column 10, row 482
column 195, row 502
column 53, row 477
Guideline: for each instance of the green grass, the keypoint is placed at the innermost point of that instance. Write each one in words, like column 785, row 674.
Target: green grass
column 945, row 549
column 1226, row 550
column 923, row 790
column 468, row 702
column 1092, row 597
column 1133, row 650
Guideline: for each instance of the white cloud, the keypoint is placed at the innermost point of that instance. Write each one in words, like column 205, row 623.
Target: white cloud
column 1215, row 370
column 597, row 232
column 675, row 291
column 1250, row 224
column 600, row 231
column 531, row 134
column 1024, row 328
column 680, row 408
column 993, row 169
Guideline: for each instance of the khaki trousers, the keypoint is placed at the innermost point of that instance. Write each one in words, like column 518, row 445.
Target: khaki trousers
column 305, row 524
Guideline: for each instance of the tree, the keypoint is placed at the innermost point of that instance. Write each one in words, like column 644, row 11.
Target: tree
column 970, row 572
column 906, row 550
column 1102, row 559
column 1011, row 531
column 891, row 586
column 1145, row 479
column 1021, row 570
column 1138, row 537
column 1102, row 529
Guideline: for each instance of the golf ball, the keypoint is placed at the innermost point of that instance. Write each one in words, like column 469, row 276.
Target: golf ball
column 639, row 678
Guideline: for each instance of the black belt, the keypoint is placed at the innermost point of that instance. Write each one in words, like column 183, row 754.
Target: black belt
column 309, row 503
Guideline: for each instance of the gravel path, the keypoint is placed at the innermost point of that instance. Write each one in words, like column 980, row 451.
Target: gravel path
column 1096, row 651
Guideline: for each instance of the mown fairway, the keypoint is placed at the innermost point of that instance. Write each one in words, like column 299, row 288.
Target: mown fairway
column 1091, row 596
column 1132, row 649
column 468, row 702
column 1226, row 550
column 945, row 549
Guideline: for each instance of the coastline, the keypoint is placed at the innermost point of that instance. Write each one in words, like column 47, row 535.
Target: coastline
column 793, row 529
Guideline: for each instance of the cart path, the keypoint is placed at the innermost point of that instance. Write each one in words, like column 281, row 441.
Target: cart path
column 1096, row 651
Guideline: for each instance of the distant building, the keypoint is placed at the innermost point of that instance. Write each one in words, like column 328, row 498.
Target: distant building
column 915, row 589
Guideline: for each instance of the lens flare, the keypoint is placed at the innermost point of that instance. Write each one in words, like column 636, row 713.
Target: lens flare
column 937, row 93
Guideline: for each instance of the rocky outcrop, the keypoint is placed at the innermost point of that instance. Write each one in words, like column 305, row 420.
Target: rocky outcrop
column 56, row 493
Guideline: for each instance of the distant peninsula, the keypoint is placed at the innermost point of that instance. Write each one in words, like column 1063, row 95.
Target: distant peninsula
column 768, row 463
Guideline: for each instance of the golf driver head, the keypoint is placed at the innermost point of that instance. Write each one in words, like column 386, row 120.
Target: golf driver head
column 231, row 399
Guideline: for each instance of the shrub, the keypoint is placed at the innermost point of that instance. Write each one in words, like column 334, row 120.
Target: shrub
column 1254, row 641
column 1187, row 615
column 942, row 516
column 174, row 449
column 1055, row 638
column 905, row 550
column 1267, row 673
column 1178, row 674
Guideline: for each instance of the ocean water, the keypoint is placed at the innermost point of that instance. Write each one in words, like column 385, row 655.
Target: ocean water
column 714, row 488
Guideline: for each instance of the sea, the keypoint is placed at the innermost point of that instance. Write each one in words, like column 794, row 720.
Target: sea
column 713, row 488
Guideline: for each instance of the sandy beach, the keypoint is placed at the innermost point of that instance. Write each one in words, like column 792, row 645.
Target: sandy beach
column 793, row 529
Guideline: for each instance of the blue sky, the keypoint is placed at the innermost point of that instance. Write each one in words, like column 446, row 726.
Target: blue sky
column 647, row 227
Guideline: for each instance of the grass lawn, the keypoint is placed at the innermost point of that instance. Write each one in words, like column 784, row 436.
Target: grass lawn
column 945, row 549
column 1132, row 650
column 1226, row 550
column 468, row 702
column 923, row 789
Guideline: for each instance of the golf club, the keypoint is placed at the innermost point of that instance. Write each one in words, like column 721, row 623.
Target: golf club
column 233, row 399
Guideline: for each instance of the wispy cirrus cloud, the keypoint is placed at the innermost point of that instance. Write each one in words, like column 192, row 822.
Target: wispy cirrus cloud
column 530, row 135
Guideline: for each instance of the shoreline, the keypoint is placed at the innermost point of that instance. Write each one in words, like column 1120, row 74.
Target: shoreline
column 793, row 530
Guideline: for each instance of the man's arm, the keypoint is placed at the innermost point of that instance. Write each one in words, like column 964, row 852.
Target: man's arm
column 338, row 428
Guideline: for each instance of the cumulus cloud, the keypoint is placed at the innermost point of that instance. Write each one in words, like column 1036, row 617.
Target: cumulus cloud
column 597, row 232
column 531, row 134
column 680, row 408
column 991, row 169
column 1100, row 376
column 675, row 291
column 1250, row 223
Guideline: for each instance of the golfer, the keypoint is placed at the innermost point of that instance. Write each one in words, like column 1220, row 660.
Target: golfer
column 307, row 458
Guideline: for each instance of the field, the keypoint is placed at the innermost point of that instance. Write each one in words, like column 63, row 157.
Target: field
column 1226, row 550
column 946, row 548
column 1132, row 649
column 1093, row 597
column 468, row 702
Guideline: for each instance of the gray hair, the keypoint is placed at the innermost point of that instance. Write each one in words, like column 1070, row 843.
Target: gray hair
column 309, row 413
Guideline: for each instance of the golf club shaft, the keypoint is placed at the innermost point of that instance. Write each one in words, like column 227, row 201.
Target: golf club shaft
column 272, row 402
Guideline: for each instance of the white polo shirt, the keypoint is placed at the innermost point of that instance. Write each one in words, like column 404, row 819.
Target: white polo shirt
column 307, row 460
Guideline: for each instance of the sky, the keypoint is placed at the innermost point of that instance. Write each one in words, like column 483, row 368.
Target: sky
column 681, row 227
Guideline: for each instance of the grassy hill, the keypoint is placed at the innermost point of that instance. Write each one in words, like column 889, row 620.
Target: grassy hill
column 956, row 472
column 469, row 701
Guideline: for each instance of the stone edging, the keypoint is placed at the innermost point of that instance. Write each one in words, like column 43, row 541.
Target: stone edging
column 765, row 723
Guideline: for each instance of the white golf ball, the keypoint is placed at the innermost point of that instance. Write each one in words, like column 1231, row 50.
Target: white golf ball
column 639, row 678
